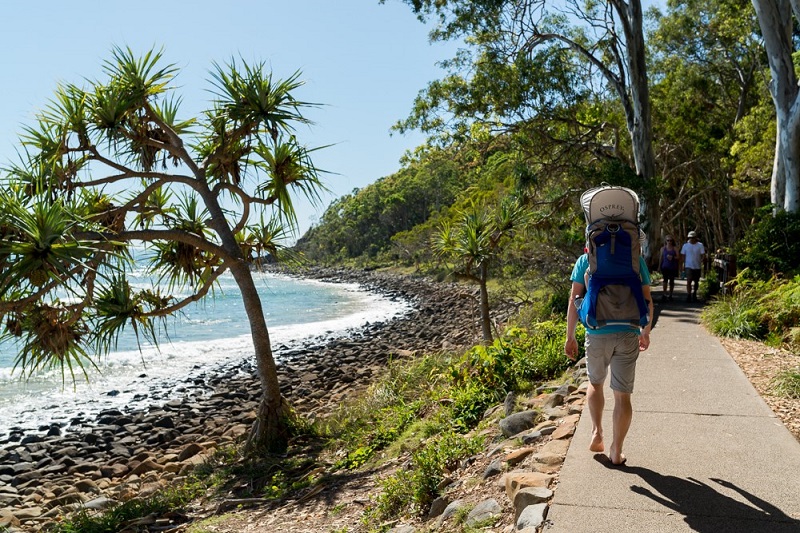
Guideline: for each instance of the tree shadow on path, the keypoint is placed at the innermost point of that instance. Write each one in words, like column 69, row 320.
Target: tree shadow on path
column 704, row 507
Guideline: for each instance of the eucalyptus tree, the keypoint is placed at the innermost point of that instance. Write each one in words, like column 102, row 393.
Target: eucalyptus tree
column 778, row 20
column 473, row 239
column 603, row 39
column 204, row 196
column 707, row 71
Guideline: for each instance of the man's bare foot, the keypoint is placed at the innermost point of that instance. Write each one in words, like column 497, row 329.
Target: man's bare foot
column 617, row 459
column 597, row 443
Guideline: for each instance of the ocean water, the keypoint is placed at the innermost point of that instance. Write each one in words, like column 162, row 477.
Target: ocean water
column 206, row 336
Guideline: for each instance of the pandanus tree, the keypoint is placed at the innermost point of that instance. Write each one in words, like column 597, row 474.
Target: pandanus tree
column 109, row 166
column 473, row 240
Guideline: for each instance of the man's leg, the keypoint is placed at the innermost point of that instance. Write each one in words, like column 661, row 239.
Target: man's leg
column 596, row 401
column 691, row 279
column 599, row 349
column 623, row 375
column 623, row 414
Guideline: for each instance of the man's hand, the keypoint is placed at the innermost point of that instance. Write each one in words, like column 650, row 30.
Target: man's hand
column 644, row 340
column 571, row 348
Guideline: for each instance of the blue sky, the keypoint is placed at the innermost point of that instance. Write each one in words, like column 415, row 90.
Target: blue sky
column 365, row 61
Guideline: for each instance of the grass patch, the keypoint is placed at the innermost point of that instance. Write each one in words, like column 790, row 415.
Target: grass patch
column 735, row 316
column 412, row 490
column 761, row 310
column 787, row 383
column 114, row 519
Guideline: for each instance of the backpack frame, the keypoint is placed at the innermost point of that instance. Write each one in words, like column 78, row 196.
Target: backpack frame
column 614, row 293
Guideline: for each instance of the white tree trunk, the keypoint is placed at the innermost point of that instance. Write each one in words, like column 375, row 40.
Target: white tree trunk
column 775, row 20
column 639, row 117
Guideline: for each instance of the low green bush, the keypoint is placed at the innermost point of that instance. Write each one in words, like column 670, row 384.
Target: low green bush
column 518, row 358
column 413, row 489
column 787, row 383
column 114, row 519
column 709, row 285
column 735, row 316
column 757, row 309
column 771, row 246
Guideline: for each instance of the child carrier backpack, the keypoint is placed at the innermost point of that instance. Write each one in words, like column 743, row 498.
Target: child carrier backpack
column 613, row 242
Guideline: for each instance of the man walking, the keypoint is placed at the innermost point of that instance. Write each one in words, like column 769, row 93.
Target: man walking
column 692, row 254
column 607, row 299
column 615, row 346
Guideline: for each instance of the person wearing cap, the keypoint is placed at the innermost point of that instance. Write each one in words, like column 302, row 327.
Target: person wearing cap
column 669, row 266
column 692, row 254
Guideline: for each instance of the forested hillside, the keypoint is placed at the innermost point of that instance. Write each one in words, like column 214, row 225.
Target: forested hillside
column 543, row 123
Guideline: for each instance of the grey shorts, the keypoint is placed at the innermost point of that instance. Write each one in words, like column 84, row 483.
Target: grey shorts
column 616, row 350
column 692, row 274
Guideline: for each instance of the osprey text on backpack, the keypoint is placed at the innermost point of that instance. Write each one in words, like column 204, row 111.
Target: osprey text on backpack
column 613, row 240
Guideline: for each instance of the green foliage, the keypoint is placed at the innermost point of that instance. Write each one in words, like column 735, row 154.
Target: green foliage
column 787, row 383
column 389, row 408
column 362, row 224
column 771, row 246
column 116, row 518
column 484, row 374
column 709, row 285
column 757, row 310
column 387, row 426
column 780, row 304
column 735, row 316
column 520, row 357
column 413, row 489
column 470, row 401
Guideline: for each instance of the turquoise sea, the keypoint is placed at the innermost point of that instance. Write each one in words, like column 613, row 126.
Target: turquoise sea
column 206, row 336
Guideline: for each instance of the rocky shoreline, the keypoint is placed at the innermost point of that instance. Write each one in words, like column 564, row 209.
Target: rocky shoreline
column 124, row 453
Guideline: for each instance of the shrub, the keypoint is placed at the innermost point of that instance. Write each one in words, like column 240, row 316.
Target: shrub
column 470, row 402
column 414, row 489
column 771, row 246
column 787, row 383
column 735, row 316
column 781, row 303
column 709, row 285
column 518, row 358
column 115, row 518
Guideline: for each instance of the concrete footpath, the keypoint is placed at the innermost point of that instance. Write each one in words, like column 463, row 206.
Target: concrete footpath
column 704, row 452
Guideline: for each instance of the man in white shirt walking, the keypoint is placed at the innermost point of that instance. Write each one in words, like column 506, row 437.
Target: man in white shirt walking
column 692, row 254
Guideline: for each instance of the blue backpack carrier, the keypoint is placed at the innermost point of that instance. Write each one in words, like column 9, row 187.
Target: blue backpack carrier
column 613, row 242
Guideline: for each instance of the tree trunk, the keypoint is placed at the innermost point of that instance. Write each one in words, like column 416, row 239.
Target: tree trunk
column 639, row 120
column 271, row 430
column 486, row 322
column 776, row 22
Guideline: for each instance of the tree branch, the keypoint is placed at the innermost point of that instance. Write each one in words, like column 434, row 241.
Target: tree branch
column 175, row 139
column 152, row 235
column 198, row 295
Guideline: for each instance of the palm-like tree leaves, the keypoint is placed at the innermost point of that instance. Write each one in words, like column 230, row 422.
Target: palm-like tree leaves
column 249, row 96
column 139, row 78
column 51, row 338
column 40, row 245
column 260, row 241
column 180, row 263
column 118, row 306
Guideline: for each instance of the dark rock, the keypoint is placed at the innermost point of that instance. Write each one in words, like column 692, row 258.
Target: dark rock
column 29, row 439
column 518, row 422
column 483, row 511
column 438, row 506
column 494, row 468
